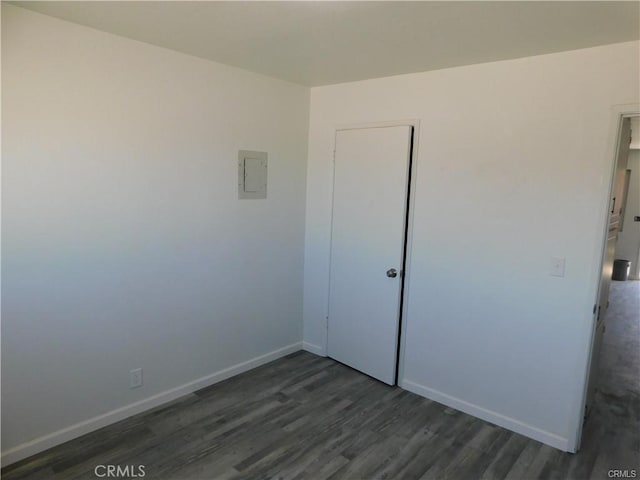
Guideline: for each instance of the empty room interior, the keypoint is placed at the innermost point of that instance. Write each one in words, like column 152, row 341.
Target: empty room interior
column 320, row 239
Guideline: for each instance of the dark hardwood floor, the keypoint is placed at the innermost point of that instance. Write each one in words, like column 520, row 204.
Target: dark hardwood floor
column 308, row 417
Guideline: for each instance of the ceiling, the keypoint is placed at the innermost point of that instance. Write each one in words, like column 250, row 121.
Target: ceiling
column 324, row 42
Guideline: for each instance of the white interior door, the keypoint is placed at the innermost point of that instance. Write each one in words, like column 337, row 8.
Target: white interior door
column 367, row 246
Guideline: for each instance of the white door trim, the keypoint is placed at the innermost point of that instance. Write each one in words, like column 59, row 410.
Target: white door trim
column 413, row 169
column 618, row 112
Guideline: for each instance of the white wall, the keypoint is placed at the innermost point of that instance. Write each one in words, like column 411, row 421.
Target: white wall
column 513, row 168
column 628, row 245
column 124, row 243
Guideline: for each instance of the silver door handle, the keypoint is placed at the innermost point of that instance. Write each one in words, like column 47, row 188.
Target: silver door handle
column 392, row 273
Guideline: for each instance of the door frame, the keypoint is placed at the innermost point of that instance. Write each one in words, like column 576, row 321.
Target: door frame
column 618, row 113
column 412, row 174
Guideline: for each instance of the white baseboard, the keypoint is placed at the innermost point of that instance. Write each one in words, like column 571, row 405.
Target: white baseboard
column 316, row 349
column 60, row 436
column 496, row 418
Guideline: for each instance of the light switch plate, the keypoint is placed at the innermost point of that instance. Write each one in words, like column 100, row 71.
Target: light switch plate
column 252, row 174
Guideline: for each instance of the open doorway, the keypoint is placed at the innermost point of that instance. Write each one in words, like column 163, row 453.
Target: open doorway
column 613, row 393
column 628, row 244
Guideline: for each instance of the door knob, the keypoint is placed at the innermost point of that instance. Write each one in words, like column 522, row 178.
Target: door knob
column 392, row 273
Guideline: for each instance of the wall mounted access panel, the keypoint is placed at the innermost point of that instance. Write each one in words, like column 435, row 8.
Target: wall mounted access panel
column 252, row 174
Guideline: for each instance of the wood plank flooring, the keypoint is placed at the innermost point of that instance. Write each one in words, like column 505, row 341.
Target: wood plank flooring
column 308, row 417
